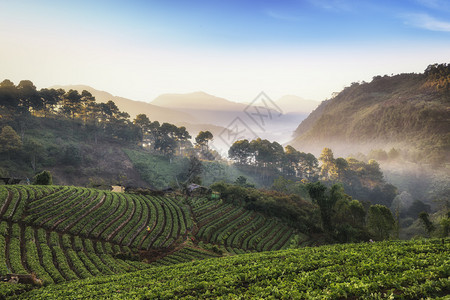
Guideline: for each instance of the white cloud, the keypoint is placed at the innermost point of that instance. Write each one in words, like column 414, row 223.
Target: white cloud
column 426, row 21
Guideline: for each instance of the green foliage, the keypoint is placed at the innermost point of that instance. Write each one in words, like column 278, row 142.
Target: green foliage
column 381, row 270
column 429, row 226
column 380, row 222
column 43, row 178
column 292, row 209
column 242, row 181
column 10, row 141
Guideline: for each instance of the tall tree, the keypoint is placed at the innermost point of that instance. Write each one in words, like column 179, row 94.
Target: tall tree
column 143, row 122
column 328, row 164
column 380, row 221
column 240, row 152
column 29, row 98
column 317, row 191
column 50, row 99
column 72, row 103
column 8, row 95
column 202, row 140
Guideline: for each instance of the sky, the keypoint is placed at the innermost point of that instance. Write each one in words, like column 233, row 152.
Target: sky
column 234, row 49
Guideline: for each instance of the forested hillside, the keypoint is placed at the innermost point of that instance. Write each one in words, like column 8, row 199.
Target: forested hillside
column 406, row 111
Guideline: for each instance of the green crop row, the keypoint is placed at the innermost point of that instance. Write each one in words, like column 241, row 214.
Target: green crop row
column 87, row 225
column 384, row 270
column 78, row 214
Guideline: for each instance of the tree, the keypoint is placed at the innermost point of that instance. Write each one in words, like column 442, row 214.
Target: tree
column 425, row 218
column 328, row 164
column 165, row 141
column 50, row 98
column 9, row 140
column 143, row 122
column 29, row 97
column 292, row 160
column 242, row 181
column 317, row 192
column 380, row 221
column 86, row 101
column 72, row 103
column 202, row 140
column 341, row 167
column 43, row 178
column 240, row 152
column 8, row 95
column 194, row 171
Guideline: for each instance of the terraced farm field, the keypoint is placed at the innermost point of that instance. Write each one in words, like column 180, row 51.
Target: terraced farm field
column 61, row 233
column 67, row 237
column 382, row 270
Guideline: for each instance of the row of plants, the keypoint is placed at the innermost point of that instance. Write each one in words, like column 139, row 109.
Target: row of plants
column 238, row 229
column 55, row 258
column 381, row 270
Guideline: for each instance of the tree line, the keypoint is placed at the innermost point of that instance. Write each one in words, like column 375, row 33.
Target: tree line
column 99, row 120
column 269, row 160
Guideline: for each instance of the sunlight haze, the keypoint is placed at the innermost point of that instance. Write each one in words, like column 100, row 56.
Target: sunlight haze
column 230, row 49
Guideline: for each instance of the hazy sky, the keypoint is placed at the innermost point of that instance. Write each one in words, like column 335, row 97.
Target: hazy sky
column 229, row 48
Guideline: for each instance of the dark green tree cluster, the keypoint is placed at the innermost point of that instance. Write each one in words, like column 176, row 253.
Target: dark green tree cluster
column 165, row 138
column 269, row 159
column 345, row 219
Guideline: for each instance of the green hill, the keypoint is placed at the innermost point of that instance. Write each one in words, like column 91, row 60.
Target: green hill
column 382, row 270
column 406, row 111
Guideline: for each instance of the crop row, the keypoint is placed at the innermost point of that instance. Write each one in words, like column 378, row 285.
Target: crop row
column 186, row 254
column 382, row 270
column 55, row 257
column 237, row 229
column 140, row 222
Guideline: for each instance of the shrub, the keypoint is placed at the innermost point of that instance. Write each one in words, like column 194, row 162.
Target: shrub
column 43, row 178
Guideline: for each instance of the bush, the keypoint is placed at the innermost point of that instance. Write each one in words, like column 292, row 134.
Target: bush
column 43, row 178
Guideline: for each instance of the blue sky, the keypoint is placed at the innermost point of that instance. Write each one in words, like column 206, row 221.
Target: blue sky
column 233, row 49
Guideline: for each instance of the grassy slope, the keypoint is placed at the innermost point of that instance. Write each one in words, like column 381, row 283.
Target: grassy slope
column 162, row 172
column 70, row 152
column 411, row 270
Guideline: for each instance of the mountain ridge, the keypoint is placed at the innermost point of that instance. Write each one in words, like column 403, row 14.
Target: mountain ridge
column 401, row 110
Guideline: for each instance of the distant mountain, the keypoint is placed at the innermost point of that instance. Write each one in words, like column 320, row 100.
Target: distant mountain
column 197, row 101
column 295, row 104
column 132, row 107
column 411, row 111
